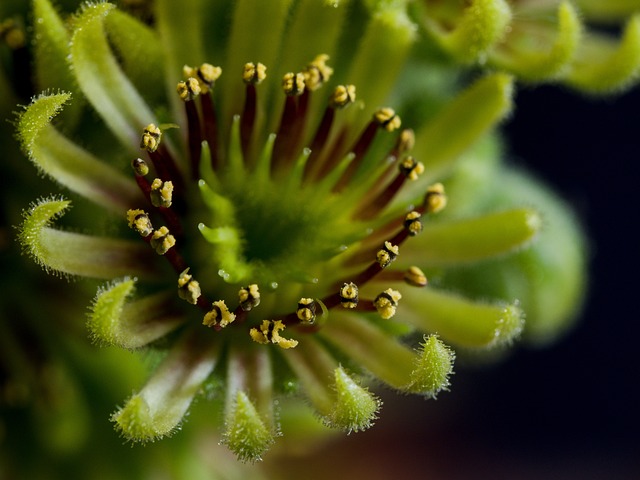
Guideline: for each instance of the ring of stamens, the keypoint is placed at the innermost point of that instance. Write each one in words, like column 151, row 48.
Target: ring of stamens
column 297, row 88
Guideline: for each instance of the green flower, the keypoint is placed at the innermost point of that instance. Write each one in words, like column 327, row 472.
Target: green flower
column 540, row 41
column 264, row 225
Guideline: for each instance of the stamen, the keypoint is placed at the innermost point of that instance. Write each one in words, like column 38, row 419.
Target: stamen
column 387, row 118
column 293, row 86
column 151, row 137
column 409, row 169
column 387, row 254
column 412, row 276
column 317, row 72
column 306, row 311
column 383, row 117
column 252, row 75
column 162, row 160
column 220, row 316
column 269, row 332
column 140, row 167
column 162, row 240
column 435, row 199
column 412, row 223
column 415, row 277
column 249, row 297
column 188, row 287
column 206, row 75
column 188, row 91
column 343, row 96
column 161, row 193
column 349, row 295
column 139, row 221
column 386, row 303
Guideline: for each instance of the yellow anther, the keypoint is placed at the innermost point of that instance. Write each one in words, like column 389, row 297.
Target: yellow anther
column 254, row 73
column 411, row 168
column 387, row 118
column 317, row 72
column 342, row 96
column 140, row 167
column 206, row 75
column 12, row 34
column 435, row 199
column 387, row 302
column 189, row 89
column 349, row 295
column 293, row 84
column 139, row 221
column 162, row 240
column 406, row 140
column 161, row 193
column 188, row 287
column 218, row 315
column 415, row 277
column 269, row 332
column 387, row 254
column 249, row 297
column 306, row 311
column 151, row 137
column 412, row 223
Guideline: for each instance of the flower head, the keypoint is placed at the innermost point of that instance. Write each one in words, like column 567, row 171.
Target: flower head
column 273, row 223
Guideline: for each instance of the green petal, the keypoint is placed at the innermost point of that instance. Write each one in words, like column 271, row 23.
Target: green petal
column 470, row 240
column 372, row 348
column 102, row 81
column 51, row 52
column 115, row 320
column 158, row 409
column 460, row 321
column 482, row 24
column 139, row 51
column 181, row 32
column 380, row 56
column 433, row 368
column 604, row 67
column 313, row 365
column 356, row 408
column 252, row 39
column 548, row 278
column 77, row 254
column 463, row 122
column 246, row 435
column 543, row 64
column 69, row 164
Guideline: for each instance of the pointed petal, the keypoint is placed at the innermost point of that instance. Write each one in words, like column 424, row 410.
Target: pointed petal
column 157, row 410
column 545, row 63
column 604, row 66
column 470, row 240
column 482, row 24
column 116, row 320
column 69, row 164
column 461, row 321
column 463, row 122
column 102, row 81
column 78, row 254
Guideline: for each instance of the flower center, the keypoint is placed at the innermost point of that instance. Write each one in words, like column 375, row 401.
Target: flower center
column 302, row 224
